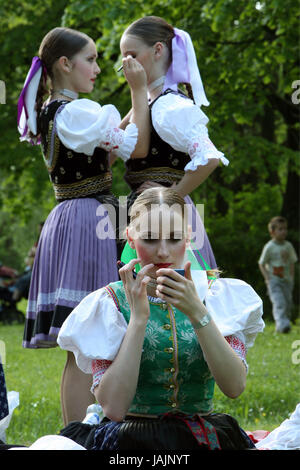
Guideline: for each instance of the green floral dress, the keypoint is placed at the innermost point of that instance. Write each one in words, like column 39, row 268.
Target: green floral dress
column 174, row 375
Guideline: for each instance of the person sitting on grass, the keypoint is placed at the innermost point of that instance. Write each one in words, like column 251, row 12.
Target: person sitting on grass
column 157, row 341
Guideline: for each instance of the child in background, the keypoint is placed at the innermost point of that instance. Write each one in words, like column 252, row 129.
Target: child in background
column 277, row 264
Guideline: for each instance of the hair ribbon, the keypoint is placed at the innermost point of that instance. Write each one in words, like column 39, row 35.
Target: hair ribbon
column 184, row 67
column 27, row 100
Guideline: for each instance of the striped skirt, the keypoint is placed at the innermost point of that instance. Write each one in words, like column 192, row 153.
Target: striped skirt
column 76, row 255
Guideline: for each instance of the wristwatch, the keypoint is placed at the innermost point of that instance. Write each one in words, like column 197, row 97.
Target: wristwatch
column 203, row 322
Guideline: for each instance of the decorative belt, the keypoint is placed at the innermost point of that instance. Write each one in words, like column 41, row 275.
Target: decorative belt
column 84, row 188
column 160, row 175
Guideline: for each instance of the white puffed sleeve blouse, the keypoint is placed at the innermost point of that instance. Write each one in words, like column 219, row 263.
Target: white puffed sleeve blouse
column 96, row 328
column 83, row 125
column 182, row 124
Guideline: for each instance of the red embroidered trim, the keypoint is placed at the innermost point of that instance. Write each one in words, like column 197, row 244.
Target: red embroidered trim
column 100, row 364
column 237, row 345
column 114, row 137
column 112, row 294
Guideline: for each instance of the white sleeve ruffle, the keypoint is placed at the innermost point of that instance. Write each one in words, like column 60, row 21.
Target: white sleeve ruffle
column 83, row 125
column 94, row 330
column 236, row 309
column 182, row 124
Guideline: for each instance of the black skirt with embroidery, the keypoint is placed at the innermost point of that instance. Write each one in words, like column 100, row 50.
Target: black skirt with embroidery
column 216, row 431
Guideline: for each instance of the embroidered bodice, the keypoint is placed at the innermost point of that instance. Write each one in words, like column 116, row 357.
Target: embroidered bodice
column 163, row 164
column 173, row 372
column 72, row 174
column 179, row 142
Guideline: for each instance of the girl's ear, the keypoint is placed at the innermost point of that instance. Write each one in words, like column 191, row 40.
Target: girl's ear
column 158, row 49
column 65, row 64
column 130, row 239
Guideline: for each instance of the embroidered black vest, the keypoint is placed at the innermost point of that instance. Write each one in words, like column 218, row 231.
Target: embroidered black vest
column 162, row 165
column 72, row 174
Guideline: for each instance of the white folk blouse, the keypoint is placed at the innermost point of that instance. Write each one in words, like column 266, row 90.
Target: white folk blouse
column 182, row 124
column 96, row 328
column 83, row 125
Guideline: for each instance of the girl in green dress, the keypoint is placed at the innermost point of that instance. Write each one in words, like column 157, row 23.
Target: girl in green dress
column 158, row 341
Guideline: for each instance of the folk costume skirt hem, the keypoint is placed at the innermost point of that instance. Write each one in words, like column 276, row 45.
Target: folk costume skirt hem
column 216, row 431
column 76, row 255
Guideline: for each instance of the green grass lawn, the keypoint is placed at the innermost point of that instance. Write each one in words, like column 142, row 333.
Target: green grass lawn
column 271, row 394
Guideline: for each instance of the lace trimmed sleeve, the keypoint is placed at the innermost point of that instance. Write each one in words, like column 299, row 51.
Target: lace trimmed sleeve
column 84, row 125
column 182, row 124
column 236, row 309
column 93, row 331
column 238, row 346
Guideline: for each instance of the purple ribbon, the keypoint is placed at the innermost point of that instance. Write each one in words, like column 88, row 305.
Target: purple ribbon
column 178, row 71
column 35, row 66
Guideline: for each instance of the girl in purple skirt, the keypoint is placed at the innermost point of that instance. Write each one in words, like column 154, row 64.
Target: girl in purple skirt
column 180, row 154
column 76, row 253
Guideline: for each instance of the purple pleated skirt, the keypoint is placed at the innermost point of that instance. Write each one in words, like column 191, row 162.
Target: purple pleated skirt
column 76, row 255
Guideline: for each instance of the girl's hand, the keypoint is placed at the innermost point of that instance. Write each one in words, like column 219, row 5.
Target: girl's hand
column 134, row 73
column 136, row 289
column 180, row 291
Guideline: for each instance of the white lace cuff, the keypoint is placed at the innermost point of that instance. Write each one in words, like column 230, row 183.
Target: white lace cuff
column 121, row 142
column 202, row 150
column 183, row 125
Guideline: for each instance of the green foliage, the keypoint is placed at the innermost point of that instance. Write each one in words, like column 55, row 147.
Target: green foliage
column 247, row 52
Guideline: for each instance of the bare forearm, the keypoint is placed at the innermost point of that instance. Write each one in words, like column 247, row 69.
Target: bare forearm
column 126, row 120
column 118, row 385
column 193, row 179
column 140, row 116
column 226, row 367
column 112, row 158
